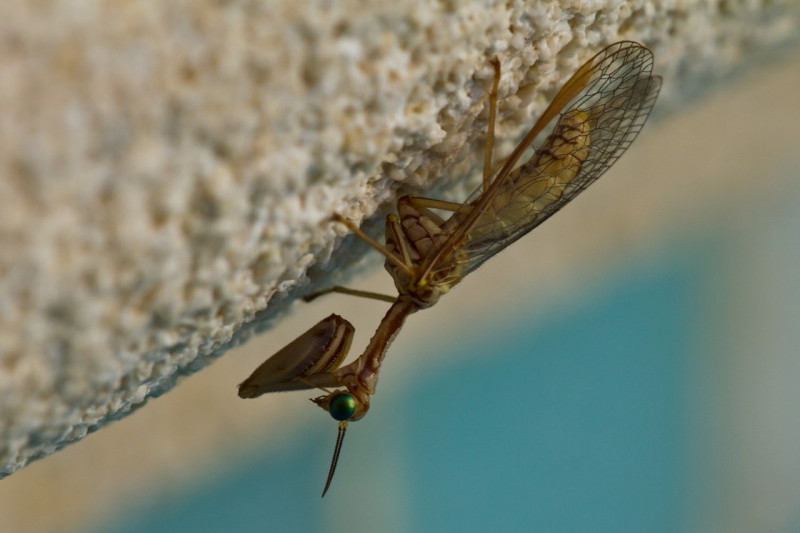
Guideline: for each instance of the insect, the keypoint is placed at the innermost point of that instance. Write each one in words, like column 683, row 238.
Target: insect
column 594, row 117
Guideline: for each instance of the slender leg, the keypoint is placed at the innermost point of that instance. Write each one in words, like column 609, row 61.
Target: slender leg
column 351, row 292
column 430, row 203
column 369, row 240
column 400, row 239
column 424, row 206
column 487, row 155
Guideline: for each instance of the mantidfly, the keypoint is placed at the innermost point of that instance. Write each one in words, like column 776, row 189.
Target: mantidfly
column 595, row 117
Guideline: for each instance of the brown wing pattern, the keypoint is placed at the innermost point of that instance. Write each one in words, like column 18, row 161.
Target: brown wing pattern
column 593, row 129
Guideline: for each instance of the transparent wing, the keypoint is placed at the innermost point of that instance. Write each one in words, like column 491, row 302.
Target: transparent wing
column 592, row 131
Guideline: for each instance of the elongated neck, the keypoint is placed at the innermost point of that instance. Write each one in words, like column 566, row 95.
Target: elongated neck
column 369, row 363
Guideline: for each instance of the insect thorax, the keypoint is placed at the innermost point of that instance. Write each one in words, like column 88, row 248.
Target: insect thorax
column 422, row 235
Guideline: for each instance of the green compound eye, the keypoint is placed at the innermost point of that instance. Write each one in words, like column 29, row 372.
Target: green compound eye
column 342, row 406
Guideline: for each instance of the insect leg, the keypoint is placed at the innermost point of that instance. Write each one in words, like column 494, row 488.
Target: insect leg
column 487, row 154
column 393, row 225
column 308, row 362
column 424, row 205
column 351, row 292
column 369, row 240
column 420, row 202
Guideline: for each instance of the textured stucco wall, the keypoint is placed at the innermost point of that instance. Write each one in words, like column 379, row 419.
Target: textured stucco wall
column 164, row 167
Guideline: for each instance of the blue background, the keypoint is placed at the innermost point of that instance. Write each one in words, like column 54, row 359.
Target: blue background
column 579, row 422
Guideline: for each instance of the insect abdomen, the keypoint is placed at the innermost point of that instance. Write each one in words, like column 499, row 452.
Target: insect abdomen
column 541, row 181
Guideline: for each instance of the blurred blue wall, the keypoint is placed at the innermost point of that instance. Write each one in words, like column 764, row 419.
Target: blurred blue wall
column 579, row 422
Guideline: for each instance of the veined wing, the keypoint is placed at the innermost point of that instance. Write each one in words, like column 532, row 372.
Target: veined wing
column 611, row 98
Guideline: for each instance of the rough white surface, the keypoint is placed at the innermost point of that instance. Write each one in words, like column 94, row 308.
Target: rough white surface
column 165, row 167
